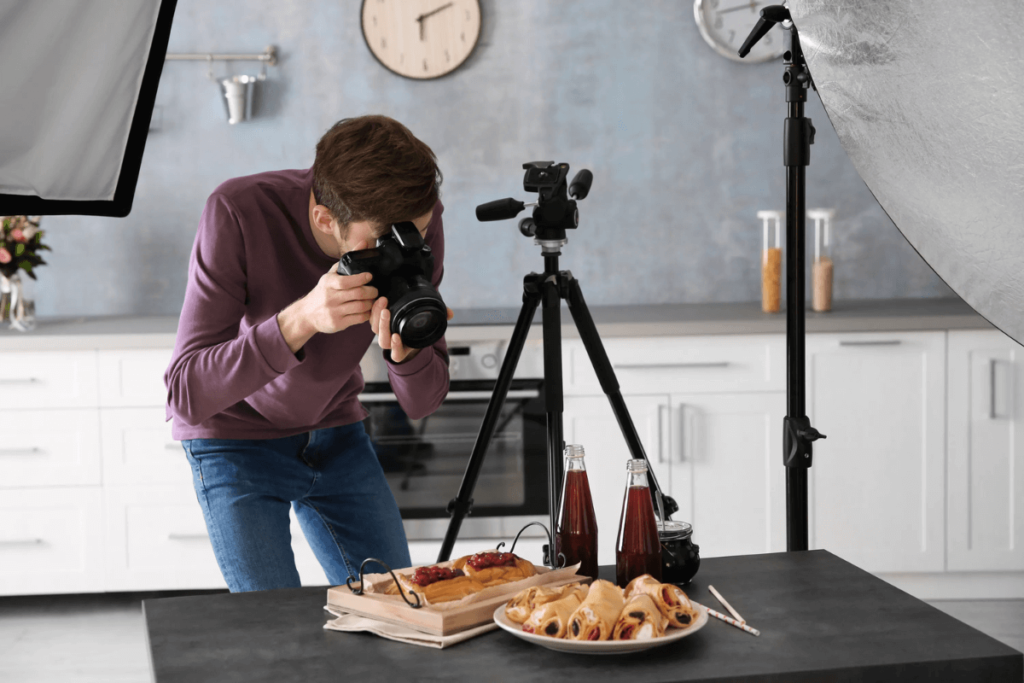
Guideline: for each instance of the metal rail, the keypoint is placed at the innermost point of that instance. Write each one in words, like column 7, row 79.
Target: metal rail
column 268, row 56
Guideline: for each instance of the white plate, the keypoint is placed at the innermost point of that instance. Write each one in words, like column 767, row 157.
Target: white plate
column 599, row 647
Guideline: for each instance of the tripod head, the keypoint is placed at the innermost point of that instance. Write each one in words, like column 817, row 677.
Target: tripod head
column 554, row 212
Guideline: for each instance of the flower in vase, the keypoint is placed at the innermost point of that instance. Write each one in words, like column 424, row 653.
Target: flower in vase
column 21, row 245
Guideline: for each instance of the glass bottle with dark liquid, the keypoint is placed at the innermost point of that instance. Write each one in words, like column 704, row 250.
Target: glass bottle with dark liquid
column 576, row 534
column 638, row 549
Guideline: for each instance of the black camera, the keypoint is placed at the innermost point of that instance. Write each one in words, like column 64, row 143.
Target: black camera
column 401, row 265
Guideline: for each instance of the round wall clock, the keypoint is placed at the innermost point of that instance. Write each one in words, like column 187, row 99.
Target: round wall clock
column 421, row 39
column 725, row 24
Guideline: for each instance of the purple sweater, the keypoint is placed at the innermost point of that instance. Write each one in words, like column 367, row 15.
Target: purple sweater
column 232, row 375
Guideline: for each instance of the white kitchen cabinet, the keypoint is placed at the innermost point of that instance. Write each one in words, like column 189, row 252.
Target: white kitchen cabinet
column 727, row 473
column 133, row 377
column 51, row 540
column 718, row 455
column 589, row 420
column 138, row 448
column 708, row 364
column 49, row 448
column 48, row 379
column 985, row 452
column 156, row 538
column 96, row 495
column 877, row 485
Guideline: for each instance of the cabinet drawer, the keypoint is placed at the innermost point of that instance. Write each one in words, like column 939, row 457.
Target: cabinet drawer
column 156, row 540
column 49, row 448
column 690, row 364
column 133, row 377
column 51, row 541
column 48, row 379
column 138, row 448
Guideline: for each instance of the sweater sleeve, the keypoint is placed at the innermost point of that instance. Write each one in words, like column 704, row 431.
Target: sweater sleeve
column 214, row 364
column 421, row 383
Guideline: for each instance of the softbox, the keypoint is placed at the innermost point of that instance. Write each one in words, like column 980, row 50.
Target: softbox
column 79, row 78
column 928, row 101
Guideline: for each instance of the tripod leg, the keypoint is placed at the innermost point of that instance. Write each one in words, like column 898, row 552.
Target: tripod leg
column 553, row 401
column 461, row 505
column 610, row 386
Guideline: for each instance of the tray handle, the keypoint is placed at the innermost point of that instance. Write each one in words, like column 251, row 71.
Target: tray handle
column 551, row 544
column 362, row 570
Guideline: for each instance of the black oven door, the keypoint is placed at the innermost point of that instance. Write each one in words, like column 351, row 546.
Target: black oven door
column 424, row 460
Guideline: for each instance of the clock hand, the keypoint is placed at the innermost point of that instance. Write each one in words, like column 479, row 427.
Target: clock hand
column 421, row 17
column 431, row 13
column 751, row 5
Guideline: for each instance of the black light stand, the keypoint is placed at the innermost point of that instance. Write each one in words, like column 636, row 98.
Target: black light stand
column 553, row 215
column 797, row 435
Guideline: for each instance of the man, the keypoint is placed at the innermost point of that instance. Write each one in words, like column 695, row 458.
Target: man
column 264, row 379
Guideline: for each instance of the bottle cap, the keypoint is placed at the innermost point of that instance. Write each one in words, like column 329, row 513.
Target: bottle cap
column 574, row 451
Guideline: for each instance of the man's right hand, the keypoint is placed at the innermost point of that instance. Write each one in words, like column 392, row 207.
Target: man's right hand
column 336, row 303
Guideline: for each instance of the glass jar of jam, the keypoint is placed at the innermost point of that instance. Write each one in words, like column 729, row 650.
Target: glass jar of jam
column 680, row 556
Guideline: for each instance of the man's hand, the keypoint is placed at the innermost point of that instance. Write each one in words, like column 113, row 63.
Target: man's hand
column 380, row 323
column 336, row 303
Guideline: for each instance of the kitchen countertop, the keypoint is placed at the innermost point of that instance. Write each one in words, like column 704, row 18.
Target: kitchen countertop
column 820, row 617
column 882, row 315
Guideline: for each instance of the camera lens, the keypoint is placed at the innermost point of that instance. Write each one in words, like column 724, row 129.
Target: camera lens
column 420, row 323
column 422, row 320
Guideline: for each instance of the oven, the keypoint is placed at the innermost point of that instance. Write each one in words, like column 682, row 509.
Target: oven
column 425, row 460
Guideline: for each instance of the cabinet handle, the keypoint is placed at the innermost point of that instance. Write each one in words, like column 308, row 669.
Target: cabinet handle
column 173, row 446
column 661, row 430
column 991, row 388
column 187, row 537
column 993, row 394
column 20, row 451
column 23, row 541
column 878, row 342
column 20, row 380
column 660, row 366
column 683, row 433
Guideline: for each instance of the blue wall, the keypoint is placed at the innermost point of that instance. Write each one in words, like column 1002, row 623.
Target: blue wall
column 685, row 147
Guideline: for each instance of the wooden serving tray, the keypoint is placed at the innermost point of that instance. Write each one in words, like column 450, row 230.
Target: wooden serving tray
column 429, row 619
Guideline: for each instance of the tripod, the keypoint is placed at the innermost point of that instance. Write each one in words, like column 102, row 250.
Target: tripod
column 554, row 214
column 798, row 435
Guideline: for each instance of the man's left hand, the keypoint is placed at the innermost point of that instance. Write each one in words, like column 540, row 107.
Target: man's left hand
column 380, row 323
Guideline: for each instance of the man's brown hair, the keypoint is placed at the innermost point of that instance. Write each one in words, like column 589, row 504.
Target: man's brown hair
column 372, row 168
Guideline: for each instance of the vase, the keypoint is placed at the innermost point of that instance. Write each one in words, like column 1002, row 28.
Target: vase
column 17, row 308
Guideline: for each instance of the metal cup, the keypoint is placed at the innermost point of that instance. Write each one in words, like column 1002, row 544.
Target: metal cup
column 237, row 92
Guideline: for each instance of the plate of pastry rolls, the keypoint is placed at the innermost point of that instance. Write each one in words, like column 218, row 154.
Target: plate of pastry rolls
column 602, row 618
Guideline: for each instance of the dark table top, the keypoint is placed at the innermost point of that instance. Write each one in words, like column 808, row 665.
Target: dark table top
column 820, row 617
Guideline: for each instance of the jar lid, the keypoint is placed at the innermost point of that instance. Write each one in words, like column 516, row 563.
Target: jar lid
column 671, row 529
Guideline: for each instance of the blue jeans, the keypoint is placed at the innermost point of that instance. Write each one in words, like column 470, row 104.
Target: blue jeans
column 333, row 480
